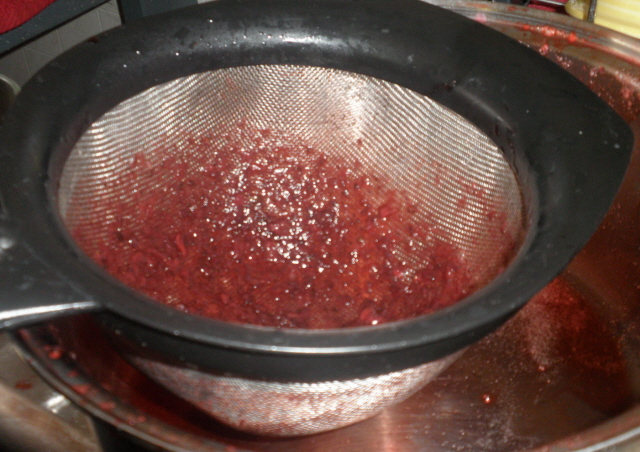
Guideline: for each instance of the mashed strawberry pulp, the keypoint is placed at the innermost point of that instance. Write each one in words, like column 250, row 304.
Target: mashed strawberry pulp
column 269, row 231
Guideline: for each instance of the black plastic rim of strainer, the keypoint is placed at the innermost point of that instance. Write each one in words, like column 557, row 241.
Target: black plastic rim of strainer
column 568, row 148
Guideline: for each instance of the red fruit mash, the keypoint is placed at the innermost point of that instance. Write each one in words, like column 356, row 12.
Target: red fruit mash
column 275, row 233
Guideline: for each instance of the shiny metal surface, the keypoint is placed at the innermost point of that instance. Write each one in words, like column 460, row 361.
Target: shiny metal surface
column 563, row 375
column 554, row 371
column 8, row 91
column 35, row 417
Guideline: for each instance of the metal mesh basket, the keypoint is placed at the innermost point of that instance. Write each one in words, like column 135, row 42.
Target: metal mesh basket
column 291, row 408
column 455, row 175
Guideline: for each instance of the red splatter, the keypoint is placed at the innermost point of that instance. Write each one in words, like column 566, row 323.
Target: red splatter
column 544, row 49
column 549, row 31
column 81, row 389
column 55, row 353
column 134, row 420
column 23, row 385
column 566, row 334
column 107, row 406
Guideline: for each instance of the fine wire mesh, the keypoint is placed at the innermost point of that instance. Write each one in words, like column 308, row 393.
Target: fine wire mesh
column 291, row 409
column 457, row 177
column 449, row 169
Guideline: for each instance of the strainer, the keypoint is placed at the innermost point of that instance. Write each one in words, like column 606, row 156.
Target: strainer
column 427, row 100
column 442, row 163
column 216, row 128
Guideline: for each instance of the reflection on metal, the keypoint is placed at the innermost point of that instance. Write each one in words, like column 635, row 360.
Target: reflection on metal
column 8, row 91
column 551, row 2
column 26, row 428
column 17, row 315
column 26, row 406
column 57, row 403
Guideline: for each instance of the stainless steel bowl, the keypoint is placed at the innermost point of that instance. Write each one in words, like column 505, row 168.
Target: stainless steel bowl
column 564, row 375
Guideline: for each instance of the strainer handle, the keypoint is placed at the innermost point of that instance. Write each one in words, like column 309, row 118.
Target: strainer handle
column 31, row 292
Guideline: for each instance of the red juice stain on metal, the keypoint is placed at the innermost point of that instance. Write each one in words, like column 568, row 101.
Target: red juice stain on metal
column 55, row 353
column 581, row 344
column 23, row 385
column 107, row 405
column 82, row 389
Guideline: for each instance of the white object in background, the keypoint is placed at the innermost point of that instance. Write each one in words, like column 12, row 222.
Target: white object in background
column 619, row 15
